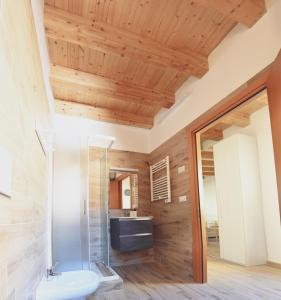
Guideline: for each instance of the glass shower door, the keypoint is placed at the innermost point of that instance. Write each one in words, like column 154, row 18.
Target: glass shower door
column 104, row 207
column 70, row 214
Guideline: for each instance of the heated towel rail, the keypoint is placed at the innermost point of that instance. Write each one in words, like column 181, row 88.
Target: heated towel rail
column 160, row 181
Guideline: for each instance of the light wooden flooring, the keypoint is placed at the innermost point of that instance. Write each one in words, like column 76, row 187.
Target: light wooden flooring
column 226, row 281
column 213, row 249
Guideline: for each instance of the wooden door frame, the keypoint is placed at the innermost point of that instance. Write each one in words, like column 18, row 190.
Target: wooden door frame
column 241, row 95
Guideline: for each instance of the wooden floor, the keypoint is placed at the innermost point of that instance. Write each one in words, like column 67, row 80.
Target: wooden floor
column 213, row 249
column 226, row 281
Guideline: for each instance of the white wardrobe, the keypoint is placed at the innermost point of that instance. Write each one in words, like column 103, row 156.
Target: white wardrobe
column 241, row 225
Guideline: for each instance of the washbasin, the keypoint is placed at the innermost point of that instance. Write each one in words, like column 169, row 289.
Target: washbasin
column 68, row 285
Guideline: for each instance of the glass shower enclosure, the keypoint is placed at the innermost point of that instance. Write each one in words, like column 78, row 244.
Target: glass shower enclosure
column 70, row 215
column 104, row 218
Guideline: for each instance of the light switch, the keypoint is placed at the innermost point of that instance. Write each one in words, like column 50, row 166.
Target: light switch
column 181, row 169
column 182, row 198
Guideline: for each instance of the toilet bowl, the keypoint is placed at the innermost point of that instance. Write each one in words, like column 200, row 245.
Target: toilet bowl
column 68, row 285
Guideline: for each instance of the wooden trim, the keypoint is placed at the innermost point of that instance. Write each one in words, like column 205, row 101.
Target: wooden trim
column 274, row 104
column 241, row 95
column 122, row 177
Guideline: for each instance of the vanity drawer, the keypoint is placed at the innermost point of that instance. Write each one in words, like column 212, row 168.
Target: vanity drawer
column 127, row 227
column 129, row 234
column 135, row 242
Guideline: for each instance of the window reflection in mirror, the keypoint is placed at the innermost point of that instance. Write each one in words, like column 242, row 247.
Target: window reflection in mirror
column 123, row 190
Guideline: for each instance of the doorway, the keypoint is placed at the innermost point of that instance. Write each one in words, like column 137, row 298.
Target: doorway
column 268, row 79
column 234, row 183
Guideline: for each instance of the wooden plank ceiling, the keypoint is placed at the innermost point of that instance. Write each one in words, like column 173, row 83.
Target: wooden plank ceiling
column 121, row 61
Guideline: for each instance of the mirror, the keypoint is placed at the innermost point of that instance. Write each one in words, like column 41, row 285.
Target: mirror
column 123, row 190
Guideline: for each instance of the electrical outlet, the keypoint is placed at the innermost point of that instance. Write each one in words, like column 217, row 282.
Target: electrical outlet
column 182, row 198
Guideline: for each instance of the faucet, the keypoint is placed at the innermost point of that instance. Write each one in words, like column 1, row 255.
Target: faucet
column 50, row 271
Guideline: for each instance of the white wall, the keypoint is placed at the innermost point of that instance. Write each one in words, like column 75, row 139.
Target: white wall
column 38, row 15
column 126, row 138
column 261, row 124
column 261, row 129
column 241, row 224
column 210, row 199
column 242, row 54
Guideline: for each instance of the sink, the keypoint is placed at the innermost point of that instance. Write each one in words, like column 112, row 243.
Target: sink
column 68, row 285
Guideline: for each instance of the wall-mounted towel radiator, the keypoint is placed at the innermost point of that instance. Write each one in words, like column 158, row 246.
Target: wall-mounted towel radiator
column 160, row 181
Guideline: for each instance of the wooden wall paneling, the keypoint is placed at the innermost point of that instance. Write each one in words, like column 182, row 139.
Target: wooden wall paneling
column 172, row 221
column 23, row 102
column 95, row 205
column 114, row 196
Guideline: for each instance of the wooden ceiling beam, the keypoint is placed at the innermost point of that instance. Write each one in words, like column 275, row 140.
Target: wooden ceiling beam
column 236, row 118
column 110, row 88
column 212, row 134
column 102, row 114
column 95, row 97
column 62, row 25
column 246, row 12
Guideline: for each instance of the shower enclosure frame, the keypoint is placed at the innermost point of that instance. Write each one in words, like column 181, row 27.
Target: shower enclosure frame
column 104, row 229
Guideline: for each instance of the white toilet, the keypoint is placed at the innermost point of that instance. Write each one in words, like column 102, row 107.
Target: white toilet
column 68, row 285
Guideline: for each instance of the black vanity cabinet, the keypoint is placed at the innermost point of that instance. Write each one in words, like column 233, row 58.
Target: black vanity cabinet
column 131, row 234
